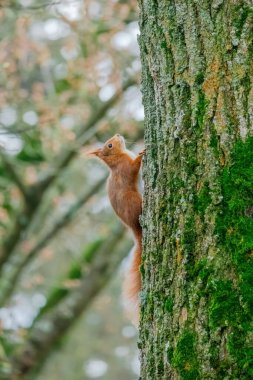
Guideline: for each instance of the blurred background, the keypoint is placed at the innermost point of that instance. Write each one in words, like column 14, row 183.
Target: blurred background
column 69, row 80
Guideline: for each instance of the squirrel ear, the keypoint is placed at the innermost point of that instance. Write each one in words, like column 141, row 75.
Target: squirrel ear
column 96, row 152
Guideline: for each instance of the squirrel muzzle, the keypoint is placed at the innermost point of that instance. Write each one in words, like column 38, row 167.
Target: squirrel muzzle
column 97, row 152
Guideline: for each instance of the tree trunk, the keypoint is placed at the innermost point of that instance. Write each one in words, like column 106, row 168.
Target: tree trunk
column 197, row 299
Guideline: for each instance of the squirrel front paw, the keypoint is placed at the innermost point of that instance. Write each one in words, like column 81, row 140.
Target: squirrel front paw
column 142, row 152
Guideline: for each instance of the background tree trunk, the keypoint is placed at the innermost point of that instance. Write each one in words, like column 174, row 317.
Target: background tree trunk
column 197, row 300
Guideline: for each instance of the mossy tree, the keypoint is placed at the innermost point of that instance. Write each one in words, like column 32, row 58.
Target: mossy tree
column 196, row 301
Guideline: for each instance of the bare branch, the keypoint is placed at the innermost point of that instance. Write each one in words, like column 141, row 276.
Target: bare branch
column 60, row 290
column 14, row 175
column 63, row 316
column 12, row 277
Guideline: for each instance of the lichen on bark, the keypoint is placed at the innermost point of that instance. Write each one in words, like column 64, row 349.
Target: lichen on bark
column 196, row 300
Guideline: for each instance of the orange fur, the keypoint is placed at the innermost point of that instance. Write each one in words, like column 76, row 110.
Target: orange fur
column 132, row 284
column 127, row 203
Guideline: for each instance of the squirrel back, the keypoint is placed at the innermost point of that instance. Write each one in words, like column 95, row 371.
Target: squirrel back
column 126, row 201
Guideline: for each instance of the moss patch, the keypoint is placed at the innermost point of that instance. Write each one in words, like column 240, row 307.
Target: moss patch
column 230, row 306
column 185, row 358
column 201, row 109
column 168, row 305
column 224, row 309
column 199, row 79
column 235, row 223
column 240, row 14
column 203, row 199
column 201, row 270
column 189, row 239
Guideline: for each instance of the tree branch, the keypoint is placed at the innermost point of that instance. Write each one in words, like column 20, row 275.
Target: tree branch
column 86, row 132
column 25, row 217
column 9, row 282
column 8, row 131
column 60, row 290
column 14, row 175
column 41, row 341
column 34, row 7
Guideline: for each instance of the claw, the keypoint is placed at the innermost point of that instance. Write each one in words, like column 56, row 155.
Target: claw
column 142, row 152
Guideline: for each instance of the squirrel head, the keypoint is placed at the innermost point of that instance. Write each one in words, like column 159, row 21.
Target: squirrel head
column 112, row 149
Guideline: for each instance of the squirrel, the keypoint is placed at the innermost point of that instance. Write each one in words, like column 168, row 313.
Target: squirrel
column 126, row 200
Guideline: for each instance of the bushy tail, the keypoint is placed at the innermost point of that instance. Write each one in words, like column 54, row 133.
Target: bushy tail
column 132, row 284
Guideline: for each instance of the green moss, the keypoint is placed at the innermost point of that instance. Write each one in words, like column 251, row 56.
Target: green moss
column 222, row 365
column 201, row 270
column 168, row 305
column 160, row 369
column 176, row 184
column 142, row 269
column 224, row 308
column 184, row 95
column 201, row 110
column 163, row 45
column 189, row 238
column 189, row 235
column 191, row 153
column 241, row 12
column 201, row 102
column 204, row 273
column 234, row 225
column 170, row 352
column 214, row 351
column 185, row 358
column 192, row 164
column 202, row 199
column 234, row 229
column 163, row 211
column 242, row 352
column 169, row 67
column 147, row 303
column 199, row 79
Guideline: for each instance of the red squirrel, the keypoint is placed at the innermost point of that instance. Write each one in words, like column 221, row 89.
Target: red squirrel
column 126, row 201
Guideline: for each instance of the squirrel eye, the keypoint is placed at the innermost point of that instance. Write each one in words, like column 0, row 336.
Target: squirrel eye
column 109, row 145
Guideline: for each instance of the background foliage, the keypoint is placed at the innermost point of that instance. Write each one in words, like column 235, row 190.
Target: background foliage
column 69, row 79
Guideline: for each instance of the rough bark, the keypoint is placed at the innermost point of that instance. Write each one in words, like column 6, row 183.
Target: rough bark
column 196, row 301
